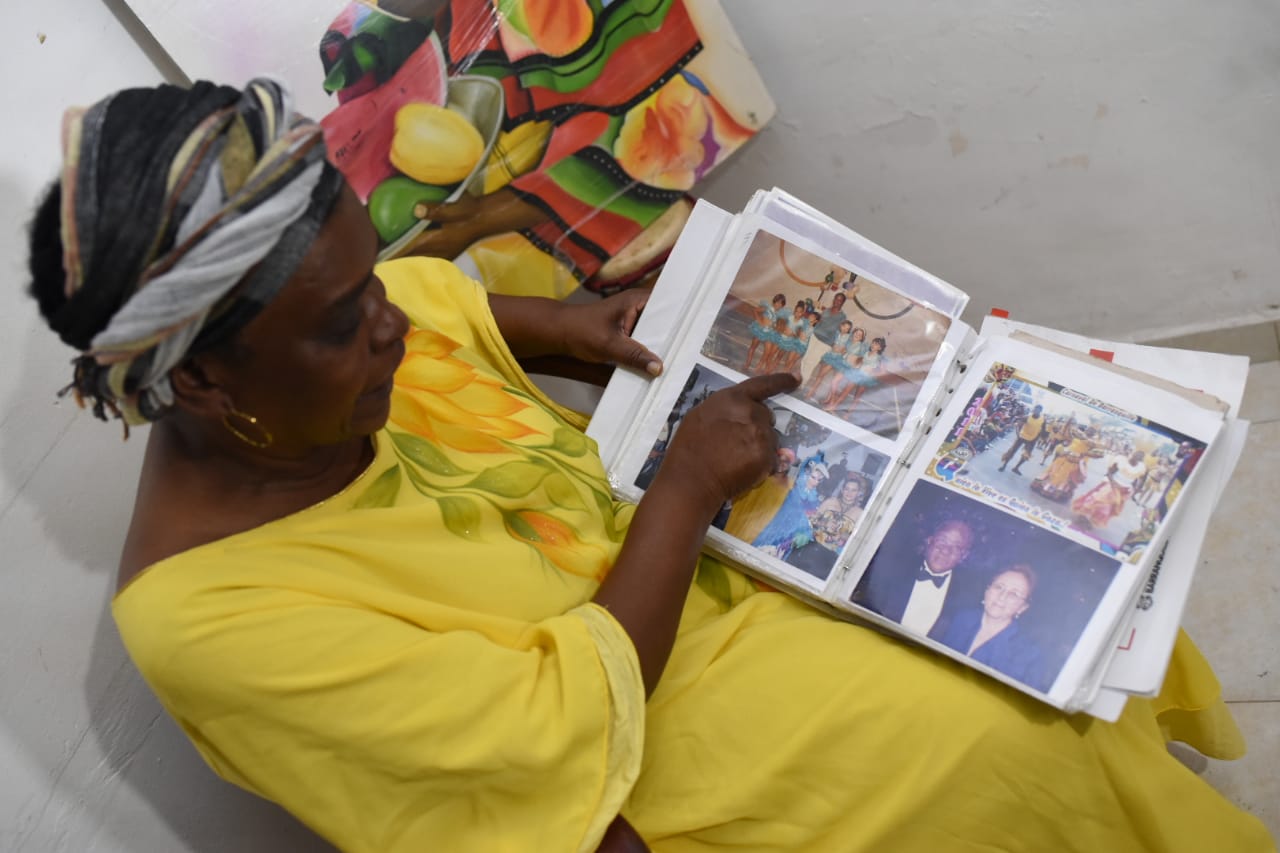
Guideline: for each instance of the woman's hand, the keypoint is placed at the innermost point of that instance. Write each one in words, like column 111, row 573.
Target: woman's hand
column 723, row 447
column 600, row 332
column 726, row 445
column 457, row 224
column 560, row 335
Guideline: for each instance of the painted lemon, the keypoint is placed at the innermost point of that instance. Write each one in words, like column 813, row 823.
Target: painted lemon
column 435, row 145
column 391, row 205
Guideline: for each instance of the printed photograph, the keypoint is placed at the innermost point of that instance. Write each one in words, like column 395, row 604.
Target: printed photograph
column 1007, row 593
column 1067, row 460
column 862, row 349
column 806, row 511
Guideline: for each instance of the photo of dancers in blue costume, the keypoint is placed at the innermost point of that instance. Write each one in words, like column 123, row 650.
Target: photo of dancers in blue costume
column 861, row 349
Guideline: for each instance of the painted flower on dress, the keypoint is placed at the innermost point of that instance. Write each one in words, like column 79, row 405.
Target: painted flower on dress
column 558, row 542
column 446, row 401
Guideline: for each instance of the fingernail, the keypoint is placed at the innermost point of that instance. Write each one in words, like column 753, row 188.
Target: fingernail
column 654, row 368
column 420, row 210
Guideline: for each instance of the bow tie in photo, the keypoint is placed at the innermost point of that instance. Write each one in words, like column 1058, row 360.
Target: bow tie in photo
column 923, row 574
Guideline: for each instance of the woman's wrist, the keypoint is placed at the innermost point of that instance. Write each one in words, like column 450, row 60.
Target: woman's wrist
column 700, row 495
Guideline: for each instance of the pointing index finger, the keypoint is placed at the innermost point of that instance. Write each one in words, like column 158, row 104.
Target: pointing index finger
column 761, row 388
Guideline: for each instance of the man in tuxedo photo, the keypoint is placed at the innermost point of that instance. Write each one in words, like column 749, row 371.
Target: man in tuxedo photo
column 913, row 585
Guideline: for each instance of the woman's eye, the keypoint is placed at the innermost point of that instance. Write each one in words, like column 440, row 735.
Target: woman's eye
column 344, row 331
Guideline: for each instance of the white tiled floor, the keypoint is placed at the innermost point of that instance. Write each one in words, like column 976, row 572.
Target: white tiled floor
column 1234, row 611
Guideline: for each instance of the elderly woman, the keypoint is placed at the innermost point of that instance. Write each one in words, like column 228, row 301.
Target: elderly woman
column 989, row 634
column 379, row 578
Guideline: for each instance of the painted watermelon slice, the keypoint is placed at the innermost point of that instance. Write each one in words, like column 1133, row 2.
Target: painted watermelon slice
column 358, row 133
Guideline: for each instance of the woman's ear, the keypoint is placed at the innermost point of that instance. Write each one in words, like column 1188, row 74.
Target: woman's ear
column 197, row 389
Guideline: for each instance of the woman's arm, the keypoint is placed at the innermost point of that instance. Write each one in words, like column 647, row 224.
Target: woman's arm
column 595, row 332
column 724, row 446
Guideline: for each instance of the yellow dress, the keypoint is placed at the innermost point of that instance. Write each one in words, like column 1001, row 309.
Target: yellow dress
column 412, row 665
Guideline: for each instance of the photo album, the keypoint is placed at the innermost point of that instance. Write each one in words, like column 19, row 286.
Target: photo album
column 1027, row 502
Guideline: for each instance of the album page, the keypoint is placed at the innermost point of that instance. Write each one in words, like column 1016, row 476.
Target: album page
column 874, row 354
column 1030, row 514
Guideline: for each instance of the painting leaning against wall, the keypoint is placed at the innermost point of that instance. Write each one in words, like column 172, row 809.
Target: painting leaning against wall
column 546, row 146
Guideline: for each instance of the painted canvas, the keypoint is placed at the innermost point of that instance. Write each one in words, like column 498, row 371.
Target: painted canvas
column 544, row 144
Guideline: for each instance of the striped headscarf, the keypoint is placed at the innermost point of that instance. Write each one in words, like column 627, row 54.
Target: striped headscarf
column 183, row 213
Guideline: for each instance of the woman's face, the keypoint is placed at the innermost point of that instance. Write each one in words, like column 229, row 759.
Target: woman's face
column 799, row 310
column 851, row 491
column 815, row 478
column 859, row 335
column 1007, row 596
column 316, row 366
column 877, row 346
column 846, row 327
column 779, row 302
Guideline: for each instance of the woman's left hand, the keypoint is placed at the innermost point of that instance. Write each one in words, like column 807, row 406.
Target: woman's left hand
column 600, row 332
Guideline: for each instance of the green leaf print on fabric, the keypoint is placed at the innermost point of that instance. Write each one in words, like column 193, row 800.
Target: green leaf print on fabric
column 562, row 493
column 521, row 528
column 510, row 479
column 421, row 452
column 714, row 581
column 461, row 516
column 420, row 482
column 605, row 504
column 382, row 492
column 569, row 441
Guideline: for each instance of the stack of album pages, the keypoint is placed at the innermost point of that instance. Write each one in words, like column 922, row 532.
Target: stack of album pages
column 1024, row 501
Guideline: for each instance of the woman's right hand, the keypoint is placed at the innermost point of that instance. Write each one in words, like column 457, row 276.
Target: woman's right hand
column 723, row 447
column 726, row 444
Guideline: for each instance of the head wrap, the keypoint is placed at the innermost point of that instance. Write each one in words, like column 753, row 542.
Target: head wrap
column 183, row 214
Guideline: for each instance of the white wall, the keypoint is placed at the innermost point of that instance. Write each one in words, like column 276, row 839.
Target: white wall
column 1103, row 167
column 90, row 762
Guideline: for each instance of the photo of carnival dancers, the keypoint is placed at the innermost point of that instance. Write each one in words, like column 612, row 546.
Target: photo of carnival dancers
column 1029, row 430
column 790, row 527
column 764, row 335
column 848, row 348
column 808, row 508
column 1061, row 477
column 861, row 349
column 1100, row 468
column 1107, row 499
column 833, row 523
column 857, row 379
column 792, row 334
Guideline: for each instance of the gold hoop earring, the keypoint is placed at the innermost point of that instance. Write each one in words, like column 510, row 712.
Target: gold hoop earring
column 263, row 441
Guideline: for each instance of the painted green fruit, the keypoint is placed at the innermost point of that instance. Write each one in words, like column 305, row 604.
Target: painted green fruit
column 391, row 205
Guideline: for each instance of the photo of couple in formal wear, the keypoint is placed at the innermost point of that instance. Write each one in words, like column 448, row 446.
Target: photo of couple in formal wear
column 1004, row 592
column 862, row 349
column 810, row 505
column 1073, row 461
